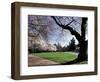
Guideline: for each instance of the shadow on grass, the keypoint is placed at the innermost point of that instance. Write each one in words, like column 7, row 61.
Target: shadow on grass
column 76, row 61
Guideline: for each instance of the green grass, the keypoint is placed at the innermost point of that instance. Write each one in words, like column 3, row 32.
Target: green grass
column 60, row 57
column 83, row 62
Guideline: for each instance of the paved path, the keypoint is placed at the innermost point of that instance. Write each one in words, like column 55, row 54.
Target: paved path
column 37, row 61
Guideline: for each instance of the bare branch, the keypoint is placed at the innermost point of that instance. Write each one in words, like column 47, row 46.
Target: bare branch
column 69, row 23
column 77, row 22
column 67, row 27
column 59, row 20
column 56, row 21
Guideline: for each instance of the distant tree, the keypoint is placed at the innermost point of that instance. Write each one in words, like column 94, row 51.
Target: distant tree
column 35, row 48
column 71, row 46
column 58, row 46
column 64, row 49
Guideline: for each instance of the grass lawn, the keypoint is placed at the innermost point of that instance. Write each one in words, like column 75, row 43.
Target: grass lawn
column 60, row 57
column 83, row 62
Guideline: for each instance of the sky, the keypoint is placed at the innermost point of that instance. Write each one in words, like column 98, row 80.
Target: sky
column 55, row 33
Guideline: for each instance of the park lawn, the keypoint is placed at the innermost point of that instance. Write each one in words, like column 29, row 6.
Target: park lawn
column 60, row 57
column 83, row 62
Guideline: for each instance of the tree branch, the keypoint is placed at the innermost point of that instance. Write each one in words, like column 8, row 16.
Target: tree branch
column 59, row 20
column 73, row 32
column 67, row 27
column 69, row 23
column 56, row 21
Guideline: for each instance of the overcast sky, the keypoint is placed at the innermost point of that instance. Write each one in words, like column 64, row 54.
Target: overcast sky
column 56, row 34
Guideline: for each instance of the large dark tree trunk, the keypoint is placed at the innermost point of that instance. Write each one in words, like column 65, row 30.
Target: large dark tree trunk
column 83, row 43
column 83, row 51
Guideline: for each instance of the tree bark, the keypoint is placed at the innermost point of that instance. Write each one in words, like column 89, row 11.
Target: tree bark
column 83, row 43
column 83, row 51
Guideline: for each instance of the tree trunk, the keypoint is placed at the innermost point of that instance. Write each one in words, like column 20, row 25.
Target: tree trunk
column 83, row 51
